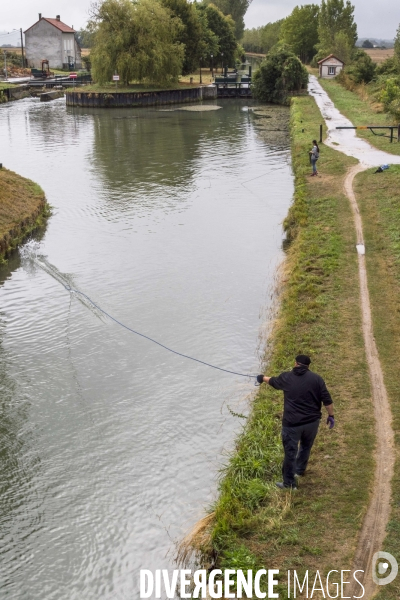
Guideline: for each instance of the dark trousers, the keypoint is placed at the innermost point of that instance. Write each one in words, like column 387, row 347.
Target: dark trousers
column 297, row 443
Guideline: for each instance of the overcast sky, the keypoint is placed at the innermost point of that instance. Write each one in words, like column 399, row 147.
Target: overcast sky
column 378, row 19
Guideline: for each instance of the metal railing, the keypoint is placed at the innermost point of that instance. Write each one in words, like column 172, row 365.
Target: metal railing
column 392, row 129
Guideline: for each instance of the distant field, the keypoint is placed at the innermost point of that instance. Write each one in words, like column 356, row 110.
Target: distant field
column 17, row 50
column 379, row 55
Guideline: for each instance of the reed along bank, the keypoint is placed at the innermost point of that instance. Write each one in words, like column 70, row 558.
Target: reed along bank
column 23, row 209
column 253, row 524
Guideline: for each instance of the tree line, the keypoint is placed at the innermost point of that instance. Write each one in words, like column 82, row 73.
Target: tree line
column 159, row 40
column 311, row 31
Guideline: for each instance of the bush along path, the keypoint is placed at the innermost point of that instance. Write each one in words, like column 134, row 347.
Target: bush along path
column 373, row 531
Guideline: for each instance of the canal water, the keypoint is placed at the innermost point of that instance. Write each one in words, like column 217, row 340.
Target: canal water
column 170, row 220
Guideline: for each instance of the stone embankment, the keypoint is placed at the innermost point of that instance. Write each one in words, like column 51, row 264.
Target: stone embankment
column 23, row 208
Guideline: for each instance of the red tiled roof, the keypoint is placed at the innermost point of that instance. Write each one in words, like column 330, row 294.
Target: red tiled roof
column 330, row 56
column 59, row 24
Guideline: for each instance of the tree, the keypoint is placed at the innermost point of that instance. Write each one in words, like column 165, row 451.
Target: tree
column 236, row 9
column 341, row 47
column 367, row 44
column 191, row 33
column 223, row 29
column 209, row 43
column 300, row 31
column 262, row 39
column 85, row 37
column 397, row 47
column 280, row 74
column 336, row 17
column 137, row 39
column 252, row 40
column 270, row 34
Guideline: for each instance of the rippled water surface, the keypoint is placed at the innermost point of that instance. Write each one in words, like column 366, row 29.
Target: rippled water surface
column 110, row 446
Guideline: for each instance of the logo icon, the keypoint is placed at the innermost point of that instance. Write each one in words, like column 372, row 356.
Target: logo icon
column 384, row 560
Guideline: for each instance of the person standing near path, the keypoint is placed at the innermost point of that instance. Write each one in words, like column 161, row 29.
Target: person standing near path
column 314, row 156
column 304, row 392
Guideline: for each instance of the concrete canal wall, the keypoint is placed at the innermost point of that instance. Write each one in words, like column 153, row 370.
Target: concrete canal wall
column 14, row 93
column 53, row 95
column 134, row 99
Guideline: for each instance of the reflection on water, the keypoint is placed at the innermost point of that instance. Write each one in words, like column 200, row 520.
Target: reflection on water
column 170, row 221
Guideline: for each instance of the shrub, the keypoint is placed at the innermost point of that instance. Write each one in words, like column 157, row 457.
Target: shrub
column 279, row 75
column 389, row 67
column 390, row 95
column 390, row 92
column 87, row 62
column 14, row 59
column 362, row 69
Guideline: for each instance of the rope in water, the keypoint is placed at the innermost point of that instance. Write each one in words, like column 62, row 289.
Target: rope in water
column 70, row 289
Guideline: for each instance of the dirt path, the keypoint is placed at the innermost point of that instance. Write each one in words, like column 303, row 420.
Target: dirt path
column 373, row 530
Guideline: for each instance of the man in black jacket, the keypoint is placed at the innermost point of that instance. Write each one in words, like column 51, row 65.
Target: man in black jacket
column 304, row 392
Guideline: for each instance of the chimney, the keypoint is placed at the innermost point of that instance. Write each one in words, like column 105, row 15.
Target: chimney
column 40, row 16
column 58, row 17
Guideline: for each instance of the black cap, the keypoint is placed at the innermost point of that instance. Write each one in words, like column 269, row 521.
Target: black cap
column 302, row 359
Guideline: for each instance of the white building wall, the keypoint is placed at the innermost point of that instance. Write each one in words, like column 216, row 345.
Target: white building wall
column 43, row 41
column 324, row 68
column 71, row 48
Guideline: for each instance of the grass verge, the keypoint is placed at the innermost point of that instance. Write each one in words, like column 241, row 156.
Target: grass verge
column 23, row 208
column 110, row 88
column 361, row 110
column 255, row 524
column 379, row 204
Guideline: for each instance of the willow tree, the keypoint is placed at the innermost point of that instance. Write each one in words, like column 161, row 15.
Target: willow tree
column 280, row 75
column 138, row 40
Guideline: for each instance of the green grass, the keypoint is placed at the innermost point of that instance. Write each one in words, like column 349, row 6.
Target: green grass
column 319, row 314
column 379, row 201
column 361, row 110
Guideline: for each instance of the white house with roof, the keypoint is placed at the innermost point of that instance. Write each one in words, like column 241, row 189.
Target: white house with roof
column 53, row 40
column 330, row 66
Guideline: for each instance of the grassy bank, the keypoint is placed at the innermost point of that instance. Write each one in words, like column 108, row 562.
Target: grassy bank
column 362, row 109
column 316, row 527
column 379, row 203
column 23, row 208
column 110, row 88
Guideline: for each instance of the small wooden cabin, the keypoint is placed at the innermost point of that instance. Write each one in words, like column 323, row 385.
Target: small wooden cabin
column 330, row 66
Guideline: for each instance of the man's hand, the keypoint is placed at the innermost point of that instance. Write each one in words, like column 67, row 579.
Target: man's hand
column 331, row 421
column 262, row 379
